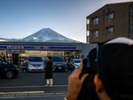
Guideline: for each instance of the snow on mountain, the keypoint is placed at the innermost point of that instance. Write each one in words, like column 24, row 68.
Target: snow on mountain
column 47, row 35
column 6, row 40
column 43, row 35
column 2, row 40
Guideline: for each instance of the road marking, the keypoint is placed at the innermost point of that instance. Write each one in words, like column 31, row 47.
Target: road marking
column 23, row 92
column 33, row 86
column 61, row 93
column 29, row 96
column 56, row 93
column 29, row 93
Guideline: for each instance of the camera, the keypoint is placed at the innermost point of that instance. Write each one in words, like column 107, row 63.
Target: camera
column 90, row 63
column 86, row 66
column 90, row 66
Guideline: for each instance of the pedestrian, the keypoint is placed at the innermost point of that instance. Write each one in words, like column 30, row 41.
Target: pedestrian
column 69, row 60
column 49, row 72
column 114, row 78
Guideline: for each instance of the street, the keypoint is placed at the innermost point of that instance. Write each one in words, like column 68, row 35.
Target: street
column 31, row 86
column 46, row 97
column 34, row 97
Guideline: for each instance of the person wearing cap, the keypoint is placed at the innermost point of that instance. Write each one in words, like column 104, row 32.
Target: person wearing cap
column 114, row 79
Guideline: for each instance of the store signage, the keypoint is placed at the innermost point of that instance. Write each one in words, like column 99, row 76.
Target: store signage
column 15, row 51
column 14, row 47
column 28, row 47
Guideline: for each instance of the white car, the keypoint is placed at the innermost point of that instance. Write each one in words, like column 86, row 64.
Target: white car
column 35, row 64
column 76, row 62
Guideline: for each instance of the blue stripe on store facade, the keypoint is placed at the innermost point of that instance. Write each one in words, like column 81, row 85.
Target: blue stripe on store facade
column 12, row 47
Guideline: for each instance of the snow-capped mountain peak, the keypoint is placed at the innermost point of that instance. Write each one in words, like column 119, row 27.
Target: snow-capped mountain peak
column 43, row 35
column 46, row 35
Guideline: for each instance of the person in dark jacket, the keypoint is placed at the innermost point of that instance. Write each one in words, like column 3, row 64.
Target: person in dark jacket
column 114, row 78
column 49, row 72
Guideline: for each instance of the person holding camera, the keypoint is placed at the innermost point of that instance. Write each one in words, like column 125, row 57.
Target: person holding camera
column 114, row 78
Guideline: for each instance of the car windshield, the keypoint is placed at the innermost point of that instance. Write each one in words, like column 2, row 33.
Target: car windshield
column 57, row 59
column 77, row 61
column 35, row 59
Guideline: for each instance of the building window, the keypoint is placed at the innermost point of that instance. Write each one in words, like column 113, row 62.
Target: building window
column 131, row 11
column 110, row 29
column 88, row 21
column 87, row 33
column 131, row 28
column 110, row 15
column 95, row 21
column 87, row 26
column 95, row 33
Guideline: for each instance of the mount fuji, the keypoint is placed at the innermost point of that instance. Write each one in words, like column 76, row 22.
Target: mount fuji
column 47, row 35
column 43, row 35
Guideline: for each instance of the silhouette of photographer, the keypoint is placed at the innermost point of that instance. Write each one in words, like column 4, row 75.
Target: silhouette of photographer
column 114, row 77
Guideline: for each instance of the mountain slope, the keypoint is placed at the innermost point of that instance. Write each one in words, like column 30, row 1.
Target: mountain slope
column 47, row 35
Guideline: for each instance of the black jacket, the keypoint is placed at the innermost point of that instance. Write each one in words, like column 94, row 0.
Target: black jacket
column 49, row 70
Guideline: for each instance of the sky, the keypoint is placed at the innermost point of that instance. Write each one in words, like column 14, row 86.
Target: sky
column 20, row 18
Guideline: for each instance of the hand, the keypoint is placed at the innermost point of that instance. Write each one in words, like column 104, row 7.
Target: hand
column 75, row 83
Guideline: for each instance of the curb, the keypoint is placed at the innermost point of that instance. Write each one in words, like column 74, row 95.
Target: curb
column 21, row 93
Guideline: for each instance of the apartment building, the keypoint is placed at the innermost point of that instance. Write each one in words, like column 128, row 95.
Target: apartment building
column 110, row 21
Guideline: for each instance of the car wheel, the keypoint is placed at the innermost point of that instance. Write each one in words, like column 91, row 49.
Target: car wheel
column 9, row 74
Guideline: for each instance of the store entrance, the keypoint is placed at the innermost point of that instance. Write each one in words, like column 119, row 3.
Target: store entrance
column 15, row 59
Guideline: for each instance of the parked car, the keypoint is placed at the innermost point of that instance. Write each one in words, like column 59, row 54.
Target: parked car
column 70, row 66
column 75, row 63
column 35, row 64
column 8, row 70
column 59, row 64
